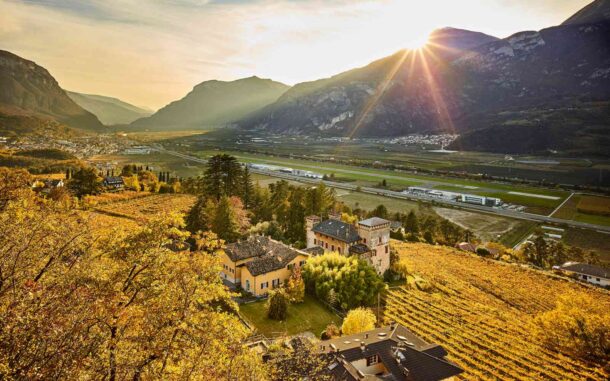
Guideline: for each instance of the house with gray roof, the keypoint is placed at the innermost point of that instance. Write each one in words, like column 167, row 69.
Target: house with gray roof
column 588, row 273
column 259, row 264
column 387, row 353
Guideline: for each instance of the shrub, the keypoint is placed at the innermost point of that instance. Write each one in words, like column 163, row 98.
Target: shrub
column 331, row 331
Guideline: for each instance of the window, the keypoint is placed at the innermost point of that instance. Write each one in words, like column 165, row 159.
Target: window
column 372, row 360
column 290, row 266
column 339, row 249
column 315, row 241
column 264, row 285
column 365, row 240
column 332, row 247
column 275, row 283
column 386, row 249
column 247, row 285
column 301, row 263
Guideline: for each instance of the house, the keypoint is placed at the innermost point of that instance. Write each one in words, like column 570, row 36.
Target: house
column 589, row 273
column 466, row 246
column 387, row 353
column 115, row 182
column 260, row 264
column 369, row 239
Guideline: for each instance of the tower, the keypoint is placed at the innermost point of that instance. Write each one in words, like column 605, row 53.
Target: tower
column 310, row 222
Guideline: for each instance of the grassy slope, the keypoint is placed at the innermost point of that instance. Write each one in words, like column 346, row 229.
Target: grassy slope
column 310, row 315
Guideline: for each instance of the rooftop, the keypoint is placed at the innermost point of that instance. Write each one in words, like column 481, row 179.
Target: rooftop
column 403, row 355
column 268, row 254
column 373, row 221
column 337, row 229
column 587, row 269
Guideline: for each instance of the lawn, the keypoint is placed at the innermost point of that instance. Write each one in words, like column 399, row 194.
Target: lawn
column 311, row 315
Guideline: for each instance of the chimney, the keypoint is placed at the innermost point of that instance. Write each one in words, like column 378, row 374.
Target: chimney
column 362, row 346
column 366, row 335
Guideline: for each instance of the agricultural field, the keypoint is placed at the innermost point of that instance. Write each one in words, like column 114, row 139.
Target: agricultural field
column 586, row 208
column 482, row 311
column 487, row 227
column 158, row 161
column 142, row 208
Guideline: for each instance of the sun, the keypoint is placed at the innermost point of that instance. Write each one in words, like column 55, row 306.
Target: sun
column 417, row 41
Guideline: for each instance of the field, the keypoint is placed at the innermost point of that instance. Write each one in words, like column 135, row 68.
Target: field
column 547, row 199
column 586, row 208
column 158, row 161
column 487, row 227
column 310, row 315
column 481, row 312
column 142, row 208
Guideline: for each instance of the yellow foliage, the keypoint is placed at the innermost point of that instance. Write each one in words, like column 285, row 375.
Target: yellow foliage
column 358, row 320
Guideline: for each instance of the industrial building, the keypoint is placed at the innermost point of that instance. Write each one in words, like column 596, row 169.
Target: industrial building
column 454, row 196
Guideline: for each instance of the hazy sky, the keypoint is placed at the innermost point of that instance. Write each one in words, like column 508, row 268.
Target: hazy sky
column 152, row 52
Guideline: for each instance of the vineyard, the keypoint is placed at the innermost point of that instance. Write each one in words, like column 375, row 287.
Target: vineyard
column 141, row 208
column 481, row 312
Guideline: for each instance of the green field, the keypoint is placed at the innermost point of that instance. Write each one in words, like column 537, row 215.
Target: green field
column 400, row 180
column 311, row 315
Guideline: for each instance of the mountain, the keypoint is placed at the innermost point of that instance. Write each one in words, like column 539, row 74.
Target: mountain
column 556, row 81
column 451, row 42
column 597, row 11
column 107, row 109
column 215, row 103
column 27, row 89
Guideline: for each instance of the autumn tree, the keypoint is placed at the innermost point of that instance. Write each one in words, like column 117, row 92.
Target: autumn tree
column 579, row 326
column 412, row 223
column 12, row 182
column 358, row 320
column 295, row 286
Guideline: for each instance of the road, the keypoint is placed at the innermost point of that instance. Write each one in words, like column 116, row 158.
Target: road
column 413, row 197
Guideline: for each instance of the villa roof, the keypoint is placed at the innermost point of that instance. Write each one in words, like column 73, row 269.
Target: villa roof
column 587, row 269
column 400, row 351
column 373, row 221
column 337, row 229
column 268, row 254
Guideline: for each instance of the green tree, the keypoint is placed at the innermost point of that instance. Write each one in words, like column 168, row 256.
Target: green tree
column 85, row 181
column 412, row 224
column 277, row 305
column 380, row 211
column 247, row 188
column 354, row 281
column 225, row 224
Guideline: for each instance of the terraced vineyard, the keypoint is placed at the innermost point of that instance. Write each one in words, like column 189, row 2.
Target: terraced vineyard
column 141, row 208
column 482, row 311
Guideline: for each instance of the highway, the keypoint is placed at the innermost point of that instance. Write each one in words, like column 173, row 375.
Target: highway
column 413, row 197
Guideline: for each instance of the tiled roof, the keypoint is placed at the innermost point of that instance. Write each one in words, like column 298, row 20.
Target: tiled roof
column 268, row 254
column 337, row 229
column 587, row 269
column 373, row 221
column 404, row 355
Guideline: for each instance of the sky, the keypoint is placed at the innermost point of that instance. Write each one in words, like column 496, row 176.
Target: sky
column 151, row 52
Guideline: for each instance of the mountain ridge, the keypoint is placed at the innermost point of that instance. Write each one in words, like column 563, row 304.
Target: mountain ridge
column 214, row 103
column 109, row 110
column 27, row 88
